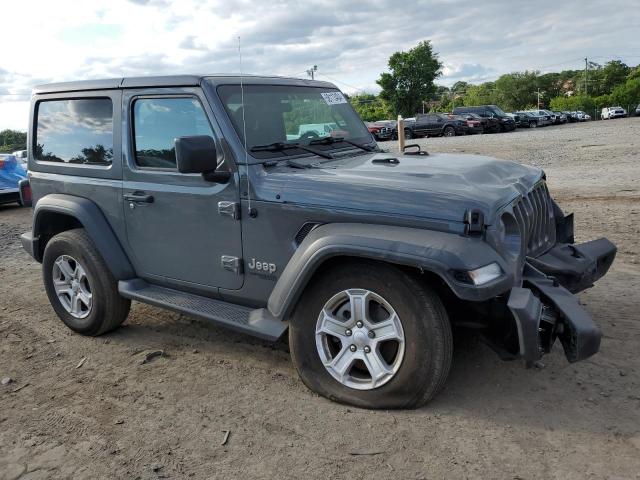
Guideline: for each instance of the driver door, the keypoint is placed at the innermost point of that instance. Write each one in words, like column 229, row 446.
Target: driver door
column 176, row 234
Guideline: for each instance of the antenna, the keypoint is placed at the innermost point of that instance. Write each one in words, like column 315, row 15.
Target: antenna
column 244, row 132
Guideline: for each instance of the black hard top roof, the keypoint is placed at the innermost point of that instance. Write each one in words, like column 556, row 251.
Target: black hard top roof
column 173, row 81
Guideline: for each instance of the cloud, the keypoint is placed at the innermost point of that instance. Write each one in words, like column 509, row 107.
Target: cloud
column 468, row 72
column 350, row 41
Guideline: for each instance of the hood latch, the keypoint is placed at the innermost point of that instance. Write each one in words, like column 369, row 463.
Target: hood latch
column 474, row 221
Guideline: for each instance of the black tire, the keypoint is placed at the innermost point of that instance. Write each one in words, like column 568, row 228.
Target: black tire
column 449, row 132
column 533, row 124
column 108, row 309
column 428, row 341
column 408, row 134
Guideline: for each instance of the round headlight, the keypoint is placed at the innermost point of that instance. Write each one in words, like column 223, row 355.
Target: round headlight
column 510, row 234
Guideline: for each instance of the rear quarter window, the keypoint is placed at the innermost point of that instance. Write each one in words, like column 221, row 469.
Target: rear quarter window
column 75, row 131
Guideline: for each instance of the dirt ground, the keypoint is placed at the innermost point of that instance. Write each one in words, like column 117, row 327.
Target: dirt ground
column 113, row 417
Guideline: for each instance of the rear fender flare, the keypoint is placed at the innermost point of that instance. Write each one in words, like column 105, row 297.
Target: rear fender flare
column 89, row 215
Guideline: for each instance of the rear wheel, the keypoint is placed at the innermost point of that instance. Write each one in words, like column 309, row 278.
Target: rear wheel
column 80, row 286
column 371, row 336
column 533, row 124
column 408, row 134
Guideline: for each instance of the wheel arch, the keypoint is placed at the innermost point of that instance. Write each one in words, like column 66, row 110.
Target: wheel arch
column 56, row 213
column 432, row 254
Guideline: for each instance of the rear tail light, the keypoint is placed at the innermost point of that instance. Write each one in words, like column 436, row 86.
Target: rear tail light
column 25, row 192
column 1, row 164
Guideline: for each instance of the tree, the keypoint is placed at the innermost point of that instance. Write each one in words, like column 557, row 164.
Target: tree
column 460, row 87
column 628, row 94
column 483, row 94
column 634, row 73
column 370, row 107
column 553, row 85
column 11, row 140
column 515, row 90
column 573, row 103
column 411, row 78
column 614, row 73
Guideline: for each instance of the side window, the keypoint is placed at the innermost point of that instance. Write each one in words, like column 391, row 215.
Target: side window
column 157, row 122
column 75, row 131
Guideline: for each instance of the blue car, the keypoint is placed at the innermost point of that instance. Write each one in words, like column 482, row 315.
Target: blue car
column 11, row 172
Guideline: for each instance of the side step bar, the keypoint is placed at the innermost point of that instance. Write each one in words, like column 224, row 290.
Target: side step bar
column 257, row 322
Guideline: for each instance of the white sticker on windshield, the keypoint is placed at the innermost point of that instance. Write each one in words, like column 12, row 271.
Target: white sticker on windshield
column 333, row 98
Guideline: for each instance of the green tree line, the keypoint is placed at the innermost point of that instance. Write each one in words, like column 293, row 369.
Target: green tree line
column 12, row 140
column 410, row 86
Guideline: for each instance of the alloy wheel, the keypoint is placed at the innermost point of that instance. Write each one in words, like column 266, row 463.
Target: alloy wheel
column 360, row 339
column 72, row 286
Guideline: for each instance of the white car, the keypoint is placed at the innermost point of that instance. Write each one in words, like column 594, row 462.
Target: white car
column 609, row 113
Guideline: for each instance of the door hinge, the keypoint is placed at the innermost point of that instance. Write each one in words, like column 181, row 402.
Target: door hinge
column 232, row 264
column 230, row 209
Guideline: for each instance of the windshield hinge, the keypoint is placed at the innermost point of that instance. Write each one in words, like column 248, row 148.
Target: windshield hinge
column 474, row 222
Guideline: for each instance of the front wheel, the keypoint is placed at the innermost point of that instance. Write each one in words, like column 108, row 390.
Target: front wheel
column 533, row 124
column 408, row 134
column 80, row 286
column 449, row 132
column 371, row 336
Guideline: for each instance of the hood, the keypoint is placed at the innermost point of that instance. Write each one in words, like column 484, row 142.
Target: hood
column 438, row 186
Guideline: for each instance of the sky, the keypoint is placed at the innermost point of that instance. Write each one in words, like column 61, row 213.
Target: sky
column 350, row 41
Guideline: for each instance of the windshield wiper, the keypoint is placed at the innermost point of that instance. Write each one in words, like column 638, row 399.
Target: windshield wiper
column 332, row 140
column 273, row 147
column 281, row 146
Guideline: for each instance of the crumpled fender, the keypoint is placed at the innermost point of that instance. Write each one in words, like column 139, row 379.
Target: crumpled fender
column 438, row 252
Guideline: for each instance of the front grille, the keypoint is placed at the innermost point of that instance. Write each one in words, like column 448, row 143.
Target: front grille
column 534, row 214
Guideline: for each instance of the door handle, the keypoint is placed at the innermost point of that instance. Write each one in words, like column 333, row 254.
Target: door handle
column 138, row 197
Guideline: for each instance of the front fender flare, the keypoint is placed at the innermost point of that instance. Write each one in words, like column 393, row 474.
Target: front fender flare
column 438, row 252
column 95, row 224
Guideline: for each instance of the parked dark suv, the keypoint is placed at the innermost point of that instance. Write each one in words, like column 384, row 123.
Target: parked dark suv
column 263, row 204
column 507, row 124
column 438, row 124
column 433, row 125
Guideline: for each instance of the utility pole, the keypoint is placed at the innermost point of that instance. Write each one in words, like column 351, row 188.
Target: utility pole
column 311, row 72
column 538, row 92
column 586, row 72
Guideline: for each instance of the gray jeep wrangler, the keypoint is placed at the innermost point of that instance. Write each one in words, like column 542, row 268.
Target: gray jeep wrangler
column 264, row 204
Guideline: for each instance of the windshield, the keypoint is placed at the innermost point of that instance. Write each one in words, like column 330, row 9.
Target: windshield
column 497, row 110
column 291, row 115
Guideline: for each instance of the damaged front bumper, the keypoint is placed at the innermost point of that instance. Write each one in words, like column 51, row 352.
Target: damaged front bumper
column 544, row 308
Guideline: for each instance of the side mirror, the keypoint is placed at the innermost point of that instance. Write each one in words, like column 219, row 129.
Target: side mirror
column 196, row 154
